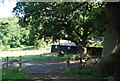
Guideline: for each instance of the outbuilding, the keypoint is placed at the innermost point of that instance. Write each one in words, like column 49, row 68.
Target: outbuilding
column 70, row 47
column 65, row 46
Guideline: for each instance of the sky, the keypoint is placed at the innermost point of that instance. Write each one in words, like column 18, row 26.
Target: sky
column 6, row 8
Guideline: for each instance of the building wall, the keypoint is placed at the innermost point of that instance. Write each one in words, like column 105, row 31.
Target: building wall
column 94, row 51
column 65, row 49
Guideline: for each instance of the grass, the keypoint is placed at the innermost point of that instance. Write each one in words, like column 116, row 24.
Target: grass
column 21, row 75
column 47, row 56
column 13, row 74
column 84, row 73
column 10, row 58
column 22, row 47
column 88, row 74
column 109, row 78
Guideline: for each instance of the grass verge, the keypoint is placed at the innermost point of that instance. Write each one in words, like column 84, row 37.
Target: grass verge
column 49, row 56
column 88, row 74
column 84, row 73
column 13, row 75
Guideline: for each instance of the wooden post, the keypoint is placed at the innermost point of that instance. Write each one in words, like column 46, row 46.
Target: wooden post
column 20, row 63
column 68, row 64
column 59, row 47
column 6, row 64
column 40, row 56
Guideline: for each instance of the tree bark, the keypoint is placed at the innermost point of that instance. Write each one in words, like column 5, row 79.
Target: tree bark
column 111, row 38
column 111, row 25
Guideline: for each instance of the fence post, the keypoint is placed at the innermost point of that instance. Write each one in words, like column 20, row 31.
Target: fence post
column 20, row 63
column 6, row 64
column 68, row 63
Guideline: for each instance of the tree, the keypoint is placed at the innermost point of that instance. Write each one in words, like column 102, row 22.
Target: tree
column 71, row 21
column 12, row 33
column 9, row 32
column 110, row 56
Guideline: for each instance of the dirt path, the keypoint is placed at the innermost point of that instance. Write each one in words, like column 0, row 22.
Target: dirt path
column 50, row 71
column 55, row 77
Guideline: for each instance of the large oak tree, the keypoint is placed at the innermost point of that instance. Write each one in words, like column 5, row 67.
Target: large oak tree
column 111, row 51
column 61, row 20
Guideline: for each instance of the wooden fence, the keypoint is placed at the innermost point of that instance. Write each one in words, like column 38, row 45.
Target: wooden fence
column 67, row 63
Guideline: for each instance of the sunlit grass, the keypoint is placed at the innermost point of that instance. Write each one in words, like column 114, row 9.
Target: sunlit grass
column 24, row 50
column 48, row 56
column 39, row 57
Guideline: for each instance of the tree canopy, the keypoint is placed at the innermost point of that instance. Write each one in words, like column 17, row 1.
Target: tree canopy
column 11, row 32
column 71, row 21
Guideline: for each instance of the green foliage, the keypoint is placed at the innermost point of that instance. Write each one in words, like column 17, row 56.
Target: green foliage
column 40, row 43
column 12, row 33
column 24, row 36
column 71, row 21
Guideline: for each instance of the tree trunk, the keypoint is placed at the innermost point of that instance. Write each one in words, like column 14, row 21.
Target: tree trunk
column 83, row 50
column 111, row 38
column 82, row 53
column 110, row 41
column 111, row 25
